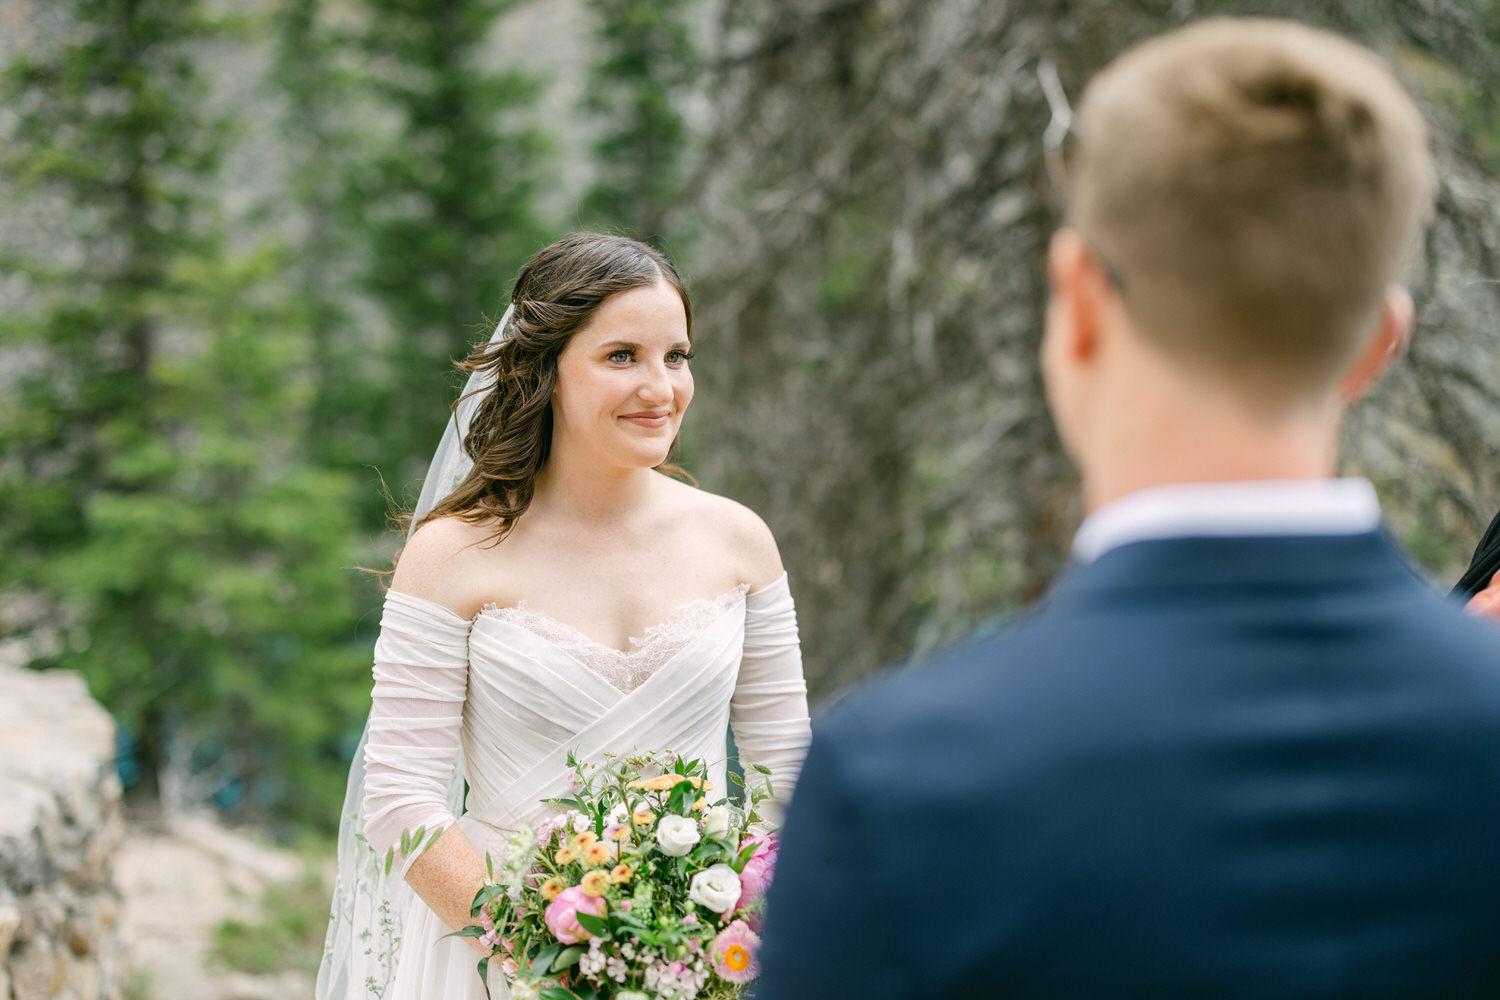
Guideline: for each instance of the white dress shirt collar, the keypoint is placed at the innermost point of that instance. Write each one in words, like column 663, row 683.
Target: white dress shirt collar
column 1248, row 507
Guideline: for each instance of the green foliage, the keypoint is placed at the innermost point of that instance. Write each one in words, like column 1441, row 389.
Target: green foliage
column 645, row 62
column 285, row 932
column 446, row 201
column 153, row 482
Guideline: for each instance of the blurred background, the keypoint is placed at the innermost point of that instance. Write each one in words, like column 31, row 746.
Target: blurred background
column 241, row 242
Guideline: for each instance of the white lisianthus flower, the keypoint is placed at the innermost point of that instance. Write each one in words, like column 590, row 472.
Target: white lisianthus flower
column 676, row 835
column 578, row 821
column 716, row 822
column 716, row 887
column 619, row 814
column 520, row 989
column 631, row 995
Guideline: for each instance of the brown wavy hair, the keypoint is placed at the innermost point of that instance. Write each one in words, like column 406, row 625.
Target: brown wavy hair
column 555, row 294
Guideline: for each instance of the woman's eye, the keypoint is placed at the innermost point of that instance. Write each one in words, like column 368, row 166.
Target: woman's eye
column 620, row 357
column 679, row 357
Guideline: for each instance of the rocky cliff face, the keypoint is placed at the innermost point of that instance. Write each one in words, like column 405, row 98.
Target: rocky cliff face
column 59, row 832
column 872, row 210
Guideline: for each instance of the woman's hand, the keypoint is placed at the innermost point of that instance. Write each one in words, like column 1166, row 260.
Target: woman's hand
column 1486, row 603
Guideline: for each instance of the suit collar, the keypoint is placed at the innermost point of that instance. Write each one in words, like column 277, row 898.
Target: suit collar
column 1230, row 509
column 1278, row 560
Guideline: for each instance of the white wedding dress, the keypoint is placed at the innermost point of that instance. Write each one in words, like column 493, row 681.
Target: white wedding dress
column 516, row 691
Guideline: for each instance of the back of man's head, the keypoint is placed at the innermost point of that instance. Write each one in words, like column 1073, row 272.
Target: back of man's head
column 1254, row 185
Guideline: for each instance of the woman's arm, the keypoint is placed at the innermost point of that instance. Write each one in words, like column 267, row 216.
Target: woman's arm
column 421, row 682
column 768, row 712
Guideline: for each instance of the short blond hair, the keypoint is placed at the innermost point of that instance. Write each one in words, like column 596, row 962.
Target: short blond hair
column 1255, row 185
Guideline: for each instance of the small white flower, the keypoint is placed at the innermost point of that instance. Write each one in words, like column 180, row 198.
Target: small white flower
column 716, row 888
column 578, row 821
column 716, row 822
column 631, row 995
column 523, row 990
column 619, row 814
column 676, row 835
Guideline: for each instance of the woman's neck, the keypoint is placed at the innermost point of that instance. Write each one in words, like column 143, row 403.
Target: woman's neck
column 573, row 486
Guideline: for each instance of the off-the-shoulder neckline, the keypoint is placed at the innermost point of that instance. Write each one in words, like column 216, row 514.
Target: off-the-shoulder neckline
column 778, row 583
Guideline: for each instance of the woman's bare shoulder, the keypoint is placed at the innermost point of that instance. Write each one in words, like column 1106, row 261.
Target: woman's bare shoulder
column 440, row 563
column 742, row 531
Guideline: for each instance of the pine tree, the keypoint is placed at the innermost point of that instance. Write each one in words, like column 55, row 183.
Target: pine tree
column 645, row 64
column 152, row 480
column 448, row 205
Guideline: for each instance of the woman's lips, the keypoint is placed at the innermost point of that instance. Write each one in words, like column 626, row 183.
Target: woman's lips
column 648, row 419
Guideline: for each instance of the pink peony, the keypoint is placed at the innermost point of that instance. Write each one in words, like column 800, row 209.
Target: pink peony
column 562, row 914
column 734, row 953
column 756, row 877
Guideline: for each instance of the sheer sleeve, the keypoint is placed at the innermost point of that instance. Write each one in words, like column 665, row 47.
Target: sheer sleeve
column 421, row 679
column 768, row 712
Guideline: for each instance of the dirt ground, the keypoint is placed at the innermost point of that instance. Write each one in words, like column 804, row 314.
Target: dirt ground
column 180, row 878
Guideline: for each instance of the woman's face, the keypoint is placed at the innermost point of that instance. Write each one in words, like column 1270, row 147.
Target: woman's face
column 623, row 381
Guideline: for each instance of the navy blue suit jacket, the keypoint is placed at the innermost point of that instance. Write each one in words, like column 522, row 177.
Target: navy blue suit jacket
column 1241, row 767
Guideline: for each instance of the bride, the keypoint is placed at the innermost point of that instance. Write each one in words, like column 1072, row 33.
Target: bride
column 560, row 591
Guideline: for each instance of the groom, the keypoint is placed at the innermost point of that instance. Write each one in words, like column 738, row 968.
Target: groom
column 1241, row 750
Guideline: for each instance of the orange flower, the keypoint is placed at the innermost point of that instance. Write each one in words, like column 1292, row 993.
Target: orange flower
column 552, row 888
column 621, row 873
column 564, row 856
column 595, row 883
column 737, row 957
column 643, row 817
column 584, row 841
column 665, row 782
column 599, row 854
column 701, row 804
column 660, row 783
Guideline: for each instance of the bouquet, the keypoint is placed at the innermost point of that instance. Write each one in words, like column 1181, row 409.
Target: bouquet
column 642, row 888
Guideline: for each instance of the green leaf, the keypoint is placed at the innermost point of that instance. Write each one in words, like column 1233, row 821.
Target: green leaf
column 555, row 993
column 746, row 853
column 484, row 970
column 432, row 840
column 736, row 779
column 543, row 959
column 568, row 957
column 468, row 932
column 763, row 769
column 596, row 926
column 681, row 799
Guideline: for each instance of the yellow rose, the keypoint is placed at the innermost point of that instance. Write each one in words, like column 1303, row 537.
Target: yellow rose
column 595, row 883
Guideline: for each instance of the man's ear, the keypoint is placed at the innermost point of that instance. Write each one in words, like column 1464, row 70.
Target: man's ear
column 1077, row 283
column 1392, row 334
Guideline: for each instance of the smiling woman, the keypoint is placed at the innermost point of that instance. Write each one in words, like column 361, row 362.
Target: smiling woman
column 580, row 283
column 566, row 596
column 624, row 382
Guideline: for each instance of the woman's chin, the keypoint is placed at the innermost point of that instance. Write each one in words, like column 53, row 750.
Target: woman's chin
column 644, row 458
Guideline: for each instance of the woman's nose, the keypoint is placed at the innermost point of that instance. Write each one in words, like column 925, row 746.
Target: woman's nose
column 656, row 385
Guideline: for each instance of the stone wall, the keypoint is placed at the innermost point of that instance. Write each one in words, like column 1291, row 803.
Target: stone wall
column 60, row 828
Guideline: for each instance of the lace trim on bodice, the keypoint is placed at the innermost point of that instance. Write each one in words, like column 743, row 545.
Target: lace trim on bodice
column 648, row 653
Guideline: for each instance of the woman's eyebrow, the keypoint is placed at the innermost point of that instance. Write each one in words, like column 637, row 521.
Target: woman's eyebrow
column 626, row 345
